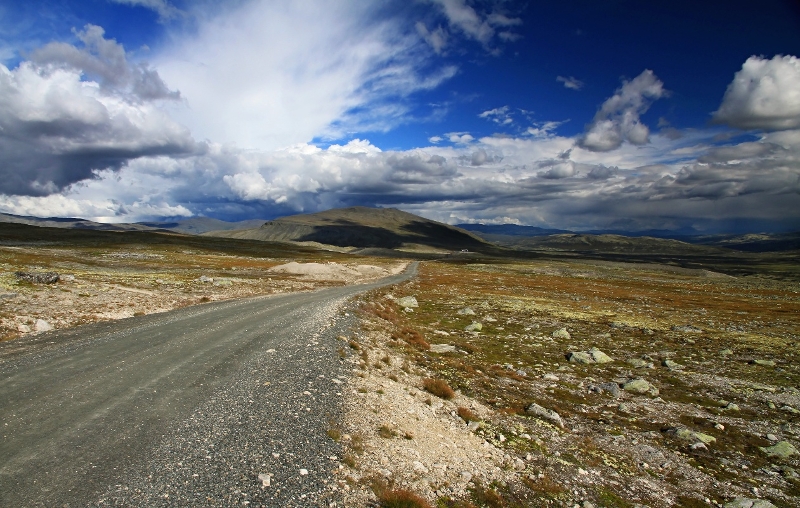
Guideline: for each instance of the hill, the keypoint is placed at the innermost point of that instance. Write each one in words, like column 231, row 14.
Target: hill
column 364, row 228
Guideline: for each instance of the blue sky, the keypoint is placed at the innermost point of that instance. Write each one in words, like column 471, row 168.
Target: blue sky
column 571, row 114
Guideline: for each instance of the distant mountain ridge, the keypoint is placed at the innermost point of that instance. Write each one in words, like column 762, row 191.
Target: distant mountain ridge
column 363, row 228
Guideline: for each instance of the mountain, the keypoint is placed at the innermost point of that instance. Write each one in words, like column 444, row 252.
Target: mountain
column 200, row 225
column 69, row 223
column 510, row 230
column 364, row 228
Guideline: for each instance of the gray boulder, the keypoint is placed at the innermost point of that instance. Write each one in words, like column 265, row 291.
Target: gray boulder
column 546, row 414
column 407, row 302
column 744, row 502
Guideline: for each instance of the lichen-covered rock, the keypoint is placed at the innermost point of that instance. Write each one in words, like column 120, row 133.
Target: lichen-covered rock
column 407, row 302
column 580, row 357
column 474, row 327
column 561, row 333
column 744, row 502
column 599, row 356
column 639, row 386
column 690, row 435
column 38, row 277
column 672, row 365
column 638, row 363
column 547, row 414
column 781, row 450
column 466, row 311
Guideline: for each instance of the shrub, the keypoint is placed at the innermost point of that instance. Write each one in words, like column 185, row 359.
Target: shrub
column 467, row 415
column 411, row 336
column 386, row 431
column 401, row 498
column 438, row 387
column 334, row 434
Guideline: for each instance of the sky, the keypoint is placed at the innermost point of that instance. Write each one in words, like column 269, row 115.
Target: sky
column 574, row 114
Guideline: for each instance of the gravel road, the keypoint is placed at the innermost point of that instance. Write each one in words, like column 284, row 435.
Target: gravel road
column 185, row 408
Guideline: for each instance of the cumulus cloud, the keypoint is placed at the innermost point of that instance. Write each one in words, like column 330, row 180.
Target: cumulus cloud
column 165, row 10
column 105, row 60
column 462, row 138
column 618, row 118
column 57, row 129
column 764, row 94
column 570, row 82
column 500, row 116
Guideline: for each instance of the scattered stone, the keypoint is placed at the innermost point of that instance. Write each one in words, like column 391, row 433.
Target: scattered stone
column 612, row 388
column 639, row 386
column 671, row 365
column 38, row 277
column 594, row 355
column 303, row 472
column 205, row 279
column 419, row 467
column 66, row 278
column 489, row 319
column 550, row 377
column 686, row 329
column 764, row 363
column 638, row 363
column 474, row 327
column 771, row 437
column 8, row 296
column 223, row 282
column 581, row 357
column 407, row 302
column 561, row 333
column 726, row 352
column 443, row 348
column 466, row 311
column 781, row 450
column 743, row 502
column 441, row 332
column 731, row 406
column 547, row 414
column 698, row 446
column 264, row 478
column 690, row 435
column 42, row 326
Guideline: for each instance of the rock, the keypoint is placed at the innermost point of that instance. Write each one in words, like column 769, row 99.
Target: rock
column 407, row 302
column 638, row 363
column 547, row 414
column 8, row 296
column 599, row 356
column 419, row 467
column 771, row 437
column 672, row 365
column 466, row 311
column 781, row 450
column 686, row 329
column 581, row 357
column 561, row 333
column 303, row 472
column 690, row 435
column 764, row 363
column 223, row 282
column 474, row 327
column 730, row 406
column 726, row 352
column 443, row 348
column 637, row 386
column 408, row 309
column 264, row 478
column 23, row 328
column 42, row 326
column 466, row 476
column 489, row 319
column 594, row 355
column 612, row 388
column 66, row 278
column 205, row 279
column 38, row 277
column 550, row 377
column 743, row 502
column 698, row 446
column 441, row 332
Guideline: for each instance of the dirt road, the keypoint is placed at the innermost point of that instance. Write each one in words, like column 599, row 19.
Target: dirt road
column 185, row 408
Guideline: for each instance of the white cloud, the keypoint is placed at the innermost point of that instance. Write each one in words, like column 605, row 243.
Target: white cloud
column 105, row 60
column 270, row 74
column 462, row 138
column 764, row 94
column 500, row 116
column 543, row 130
column 165, row 10
column 436, row 38
column 476, row 26
column 570, row 82
column 56, row 129
column 618, row 118
column 435, row 139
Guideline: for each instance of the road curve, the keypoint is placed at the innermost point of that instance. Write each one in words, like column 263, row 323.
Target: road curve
column 184, row 408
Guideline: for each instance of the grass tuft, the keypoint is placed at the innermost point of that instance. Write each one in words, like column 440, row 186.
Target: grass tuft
column 438, row 387
column 401, row 498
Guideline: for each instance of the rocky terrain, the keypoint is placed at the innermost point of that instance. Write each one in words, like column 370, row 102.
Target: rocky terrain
column 107, row 282
column 576, row 384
